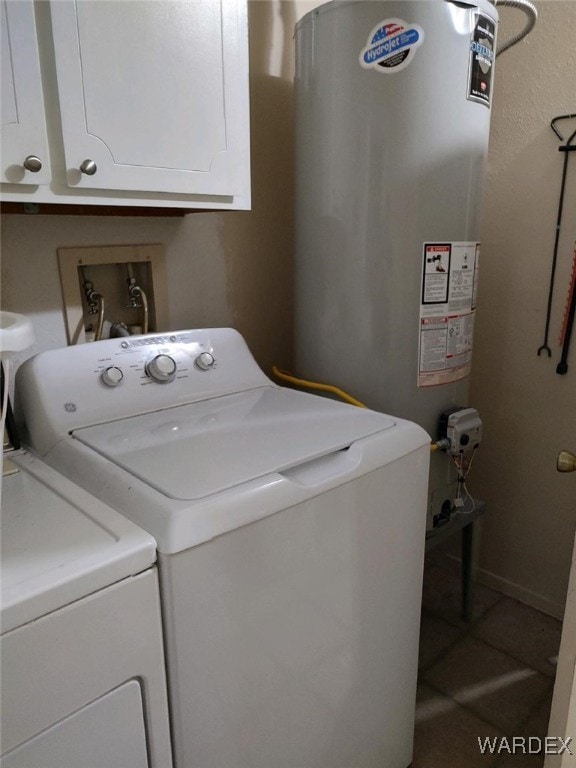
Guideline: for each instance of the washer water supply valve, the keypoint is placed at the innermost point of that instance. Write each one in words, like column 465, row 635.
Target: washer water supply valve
column 460, row 431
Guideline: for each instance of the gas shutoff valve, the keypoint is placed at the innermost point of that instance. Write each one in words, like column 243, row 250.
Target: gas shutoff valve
column 460, row 430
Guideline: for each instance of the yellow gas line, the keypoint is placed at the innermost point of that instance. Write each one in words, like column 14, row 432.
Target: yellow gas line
column 290, row 379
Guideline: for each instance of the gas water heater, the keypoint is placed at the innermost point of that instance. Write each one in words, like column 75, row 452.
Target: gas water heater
column 392, row 119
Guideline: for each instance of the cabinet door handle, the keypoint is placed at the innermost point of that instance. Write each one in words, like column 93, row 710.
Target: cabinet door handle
column 88, row 167
column 32, row 163
column 566, row 462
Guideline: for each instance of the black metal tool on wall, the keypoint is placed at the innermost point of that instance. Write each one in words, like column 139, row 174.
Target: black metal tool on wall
column 566, row 147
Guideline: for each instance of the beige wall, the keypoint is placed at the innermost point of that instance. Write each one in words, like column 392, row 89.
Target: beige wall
column 223, row 268
column 529, row 411
column 236, row 268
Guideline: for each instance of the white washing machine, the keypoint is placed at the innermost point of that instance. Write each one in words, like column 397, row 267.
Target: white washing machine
column 290, row 530
column 82, row 663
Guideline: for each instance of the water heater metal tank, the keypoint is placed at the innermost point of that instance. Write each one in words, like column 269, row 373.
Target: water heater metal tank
column 392, row 120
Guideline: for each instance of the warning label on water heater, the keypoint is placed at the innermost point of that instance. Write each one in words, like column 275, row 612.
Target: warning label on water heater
column 448, row 305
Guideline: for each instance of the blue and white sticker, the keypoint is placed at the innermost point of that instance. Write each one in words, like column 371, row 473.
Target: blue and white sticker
column 391, row 45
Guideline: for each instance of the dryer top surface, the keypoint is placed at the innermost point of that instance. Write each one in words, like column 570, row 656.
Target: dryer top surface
column 59, row 544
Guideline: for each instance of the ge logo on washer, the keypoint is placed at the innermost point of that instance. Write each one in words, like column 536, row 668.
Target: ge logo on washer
column 391, row 45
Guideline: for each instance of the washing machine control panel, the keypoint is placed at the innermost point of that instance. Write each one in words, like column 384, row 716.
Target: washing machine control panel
column 88, row 384
column 157, row 359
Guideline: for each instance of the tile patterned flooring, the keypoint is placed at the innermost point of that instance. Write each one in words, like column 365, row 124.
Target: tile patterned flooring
column 491, row 677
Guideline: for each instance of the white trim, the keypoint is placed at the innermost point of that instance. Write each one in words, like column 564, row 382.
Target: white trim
column 520, row 593
column 517, row 591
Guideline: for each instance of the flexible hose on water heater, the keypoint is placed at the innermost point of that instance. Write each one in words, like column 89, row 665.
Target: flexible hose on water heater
column 532, row 15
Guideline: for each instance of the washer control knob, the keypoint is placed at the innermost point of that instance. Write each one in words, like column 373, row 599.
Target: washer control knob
column 205, row 361
column 112, row 376
column 161, row 368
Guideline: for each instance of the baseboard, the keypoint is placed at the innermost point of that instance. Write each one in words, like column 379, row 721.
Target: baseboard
column 511, row 589
column 520, row 593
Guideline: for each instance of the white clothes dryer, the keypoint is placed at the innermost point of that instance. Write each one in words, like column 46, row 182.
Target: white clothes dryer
column 290, row 530
column 82, row 663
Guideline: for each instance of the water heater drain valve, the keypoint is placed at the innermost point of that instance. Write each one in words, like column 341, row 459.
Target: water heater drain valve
column 460, row 431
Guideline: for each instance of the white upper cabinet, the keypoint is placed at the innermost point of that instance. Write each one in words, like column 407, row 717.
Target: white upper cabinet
column 24, row 157
column 143, row 94
column 147, row 102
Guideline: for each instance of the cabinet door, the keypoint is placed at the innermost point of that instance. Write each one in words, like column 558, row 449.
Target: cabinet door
column 23, row 128
column 154, row 95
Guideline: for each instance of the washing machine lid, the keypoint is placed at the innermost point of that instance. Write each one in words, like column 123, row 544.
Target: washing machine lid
column 193, row 451
column 60, row 544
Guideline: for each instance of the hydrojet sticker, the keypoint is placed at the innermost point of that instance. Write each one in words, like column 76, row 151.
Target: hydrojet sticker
column 481, row 60
column 391, row 45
